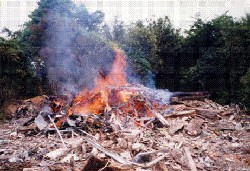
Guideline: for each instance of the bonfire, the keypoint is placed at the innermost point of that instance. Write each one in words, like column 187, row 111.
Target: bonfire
column 113, row 96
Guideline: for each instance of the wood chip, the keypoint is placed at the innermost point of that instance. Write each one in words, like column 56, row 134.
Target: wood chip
column 207, row 113
column 57, row 153
column 40, row 122
column 176, row 126
column 194, row 126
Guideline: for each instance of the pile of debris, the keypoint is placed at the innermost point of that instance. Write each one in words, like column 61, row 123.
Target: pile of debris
column 146, row 131
column 116, row 126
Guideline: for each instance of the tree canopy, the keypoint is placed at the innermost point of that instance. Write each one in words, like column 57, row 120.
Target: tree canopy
column 221, row 50
column 65, row 41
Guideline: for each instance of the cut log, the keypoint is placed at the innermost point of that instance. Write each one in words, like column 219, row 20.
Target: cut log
column 198, row 93
column 181, row 96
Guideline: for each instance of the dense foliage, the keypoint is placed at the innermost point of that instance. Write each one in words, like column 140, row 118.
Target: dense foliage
column 220, row 48
column 212, row 56
column 65, row 41
column 153, row 51
column 16, row 71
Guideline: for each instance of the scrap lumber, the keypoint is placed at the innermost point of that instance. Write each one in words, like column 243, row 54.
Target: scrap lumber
column 175, row 126
column 181, row 96
column 151, row 152
column 38, row 100
column 157, row 115
column 123, row 160
column 161, row 118
column 139, row 147
column 182, row 113
column 194, row 126
column 57, row 153
column 108, row 153
column 31, row 127
column 190, row 160
column 207, row 113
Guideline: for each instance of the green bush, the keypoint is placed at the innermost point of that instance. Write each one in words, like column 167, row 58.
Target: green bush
column 14, row 71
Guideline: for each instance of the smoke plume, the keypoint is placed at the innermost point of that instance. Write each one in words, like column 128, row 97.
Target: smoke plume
column 74, row 51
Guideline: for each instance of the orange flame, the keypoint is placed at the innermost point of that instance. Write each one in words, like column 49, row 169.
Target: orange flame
column 109, row 91
column 100, row 98
column 117, row 76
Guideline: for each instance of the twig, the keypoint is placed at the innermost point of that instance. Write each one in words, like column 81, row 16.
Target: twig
column 106, row 165
column 84, row 132
column 57, row 130
column 190, row 160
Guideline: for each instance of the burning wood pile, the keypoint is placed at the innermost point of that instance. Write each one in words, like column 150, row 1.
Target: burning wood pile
column 120, row 126
column 112, row 99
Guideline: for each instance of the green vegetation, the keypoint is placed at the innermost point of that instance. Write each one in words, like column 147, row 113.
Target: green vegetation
column 212, row 56
column 58, row 36
column 221, row 51
column 16, row 71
